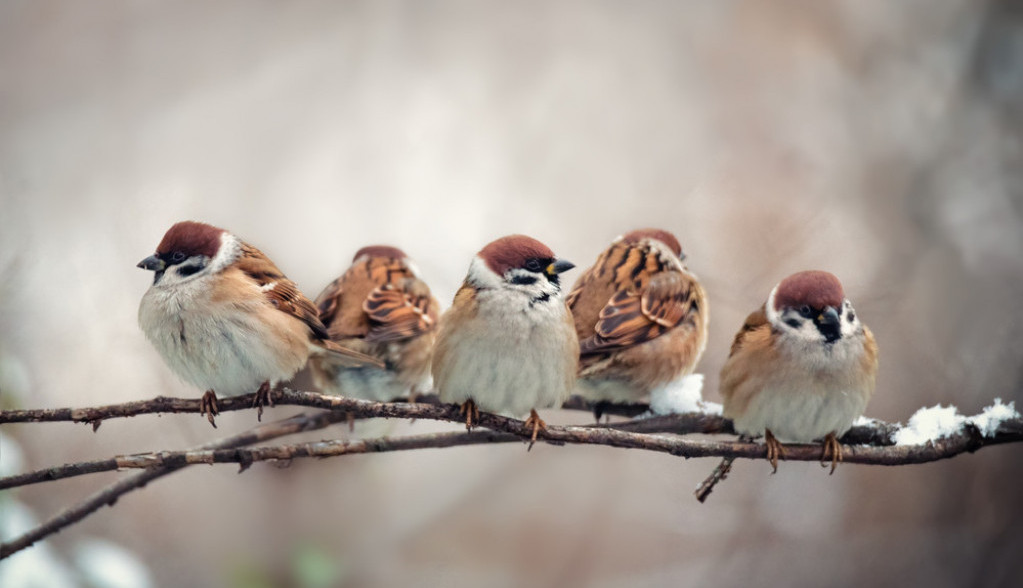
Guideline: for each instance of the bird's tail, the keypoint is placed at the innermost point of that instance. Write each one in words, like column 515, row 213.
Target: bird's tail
column 330, row 354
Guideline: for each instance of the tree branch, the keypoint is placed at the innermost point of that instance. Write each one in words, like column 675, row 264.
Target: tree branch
column 110, row 494
column 635, row 434
column 967, row 440
column 164, row 404
column 866, row 444
column 425, row 407
column 694, row 422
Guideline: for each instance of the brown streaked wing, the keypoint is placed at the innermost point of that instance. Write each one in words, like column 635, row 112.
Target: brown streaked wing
column 630, row 317
column 755, row 320
column 328, row 301
column 279, row 290
column 397, row 314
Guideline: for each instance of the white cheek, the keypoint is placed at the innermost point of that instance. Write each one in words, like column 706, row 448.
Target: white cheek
column 850, row 327
column 172, row 279
column 480, row 275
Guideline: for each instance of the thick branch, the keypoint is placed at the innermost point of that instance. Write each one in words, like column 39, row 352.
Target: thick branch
column 110, row 494
column 164, row 404
column 694, row 421
column 426, row 407
column 636, row 434
column 965, row 441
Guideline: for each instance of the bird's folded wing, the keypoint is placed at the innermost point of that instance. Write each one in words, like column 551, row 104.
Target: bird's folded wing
column 755, row 320
column 397, row 313
column 630, row 317
column 279, row 290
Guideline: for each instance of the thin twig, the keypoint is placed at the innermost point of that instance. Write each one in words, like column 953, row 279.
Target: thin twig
column 719, row 473
column 110, row 494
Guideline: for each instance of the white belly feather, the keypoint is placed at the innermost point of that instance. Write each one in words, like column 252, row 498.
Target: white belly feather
column 227, row 349
column 510, row 361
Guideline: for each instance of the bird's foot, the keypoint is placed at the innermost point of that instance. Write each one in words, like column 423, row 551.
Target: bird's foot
column 833, row 448
column 263, row 397
column 537, row 423
column 775, row 450
column 208, row 406
column 471, row 413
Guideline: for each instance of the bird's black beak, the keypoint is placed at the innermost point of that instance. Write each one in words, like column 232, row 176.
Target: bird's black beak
column 153, row 264
column 559, row 266
column 829, row 324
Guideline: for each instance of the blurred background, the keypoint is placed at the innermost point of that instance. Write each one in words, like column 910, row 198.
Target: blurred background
column 878, row 140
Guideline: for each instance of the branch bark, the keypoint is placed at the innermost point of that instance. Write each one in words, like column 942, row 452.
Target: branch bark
column 164, row 404
column 425, row 407
column 966, row 440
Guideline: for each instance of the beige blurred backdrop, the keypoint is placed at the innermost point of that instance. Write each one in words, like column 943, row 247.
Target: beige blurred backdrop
column 877, row 140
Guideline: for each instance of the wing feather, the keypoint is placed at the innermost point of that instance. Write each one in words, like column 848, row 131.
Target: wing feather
column 631, row 317
column 396, row 314
column 279, row 290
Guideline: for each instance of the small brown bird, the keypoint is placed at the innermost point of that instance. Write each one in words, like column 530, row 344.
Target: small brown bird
column 507, row 344
column 226, row 320
column 382, row 308
column 802, row 367
column 641, row 318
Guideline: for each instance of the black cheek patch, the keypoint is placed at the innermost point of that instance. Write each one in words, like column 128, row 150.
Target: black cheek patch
column 187, row 270
column 850, row 316
column 523, row 280
column 794, row 323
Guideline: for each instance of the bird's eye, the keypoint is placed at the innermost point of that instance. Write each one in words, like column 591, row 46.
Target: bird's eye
column 534, row 265
column 806, row 311
column 177, row 257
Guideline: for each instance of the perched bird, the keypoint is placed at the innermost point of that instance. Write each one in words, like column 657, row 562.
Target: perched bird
column 507, row 344
column 226, row 320
column 382, row 308
column 641, row 318
column 802, row 367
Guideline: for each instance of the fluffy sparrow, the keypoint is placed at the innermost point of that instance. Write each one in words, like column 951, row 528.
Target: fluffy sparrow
column 507, row 344
column 641, row 318
column 225, row 319
column 801, row 368
column 381, row 308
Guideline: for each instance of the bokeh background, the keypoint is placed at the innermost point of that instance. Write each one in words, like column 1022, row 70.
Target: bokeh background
column 878, row 140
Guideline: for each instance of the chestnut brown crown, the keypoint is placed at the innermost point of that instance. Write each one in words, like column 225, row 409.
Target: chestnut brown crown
column 190, row 238
column 514, row 251
column 659, row 234
column 380, row 251
column 814, row 288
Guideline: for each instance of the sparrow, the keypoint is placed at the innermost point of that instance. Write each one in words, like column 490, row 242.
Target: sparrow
column 507, row 344
column 641, row 318
column 379, row 307
column 226, row 320
column 801, row 368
